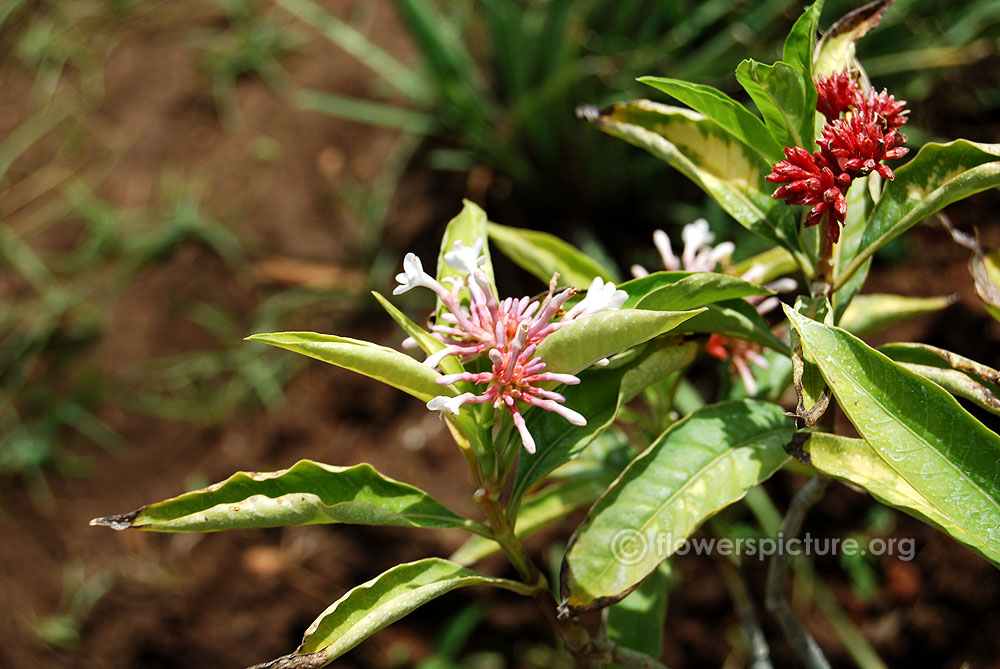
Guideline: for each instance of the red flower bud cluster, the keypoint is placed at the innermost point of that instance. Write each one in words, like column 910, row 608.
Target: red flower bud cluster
column 837, row 94
column 860, row 133
column 812, row 180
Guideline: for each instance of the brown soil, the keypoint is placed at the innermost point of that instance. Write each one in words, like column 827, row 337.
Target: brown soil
column 234, row 599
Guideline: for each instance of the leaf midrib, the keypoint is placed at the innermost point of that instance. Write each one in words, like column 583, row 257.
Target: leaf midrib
column 942, row 456
column 730, row 450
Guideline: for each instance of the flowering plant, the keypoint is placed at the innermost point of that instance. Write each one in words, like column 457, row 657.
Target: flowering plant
column 534, row 391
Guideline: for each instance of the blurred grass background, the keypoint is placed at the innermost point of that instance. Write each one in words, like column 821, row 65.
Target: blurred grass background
column 175, row 175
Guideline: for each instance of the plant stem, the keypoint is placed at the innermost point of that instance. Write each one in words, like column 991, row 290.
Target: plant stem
column 822, row 286
column 759, row 651
column 775, row 599
column 578, row 642
column 576, row 638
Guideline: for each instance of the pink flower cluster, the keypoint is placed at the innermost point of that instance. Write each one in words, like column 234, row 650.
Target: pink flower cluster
column 507, row 331
column 861, row 132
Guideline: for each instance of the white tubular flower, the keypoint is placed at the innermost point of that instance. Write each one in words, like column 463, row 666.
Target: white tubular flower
column 450, row 404
column 721, row 254
column 698, row 255
column 696, row 235
column 638, row 271
column 412, row 276
column 785, row 285
column 766, row 305
column 662, row 243
column 754, row 274
column 465, row 259
column 600, row 297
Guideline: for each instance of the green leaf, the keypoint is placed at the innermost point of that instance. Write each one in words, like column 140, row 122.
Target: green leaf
column 914, row 425
column 939, row 175
column 800, row 45
column 377, row 604
column 543, row 255
column 766, row 266
column 925, row 354
column 676, row 291
column 855, row 461
column 639, row 621
column 835, row 50
column 728, row 170
column 871, row 313
column 539, row 510
column 732, row 117
column 378, row 362
column 959, row 384
column 424, row 339
column 735, row 318
column 427, row 342
column 365, row 111
column 309, row 493
column 407, row 81
column 468, row 227
column 586, row 340
column 701, row 464
column 958, row 375
column 599, row 397
column 780, row 93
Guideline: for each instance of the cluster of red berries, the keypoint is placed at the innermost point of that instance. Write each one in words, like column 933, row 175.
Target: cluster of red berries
column 861, row 132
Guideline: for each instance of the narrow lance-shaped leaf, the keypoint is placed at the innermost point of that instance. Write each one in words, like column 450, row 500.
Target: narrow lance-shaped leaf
column 599, row 397
column 675, row 291
column 543, row 255
column 735, row 318
column 959, row 384
column 766, row 266
column 925, row 354
column 732, row 117
column 917, row 428
column 779, row 91
column 378, row 362
column 407, row 81
column 584, row 341
column 958, row 375
column 468, row 227
column 801, row 43
column 427, row 342
column 701, row 464
column 871, row 313
column 367, row 112
column 939, row 175
column 728, row 170
column 309, row 493
column 855, row 461
column 377, row 604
